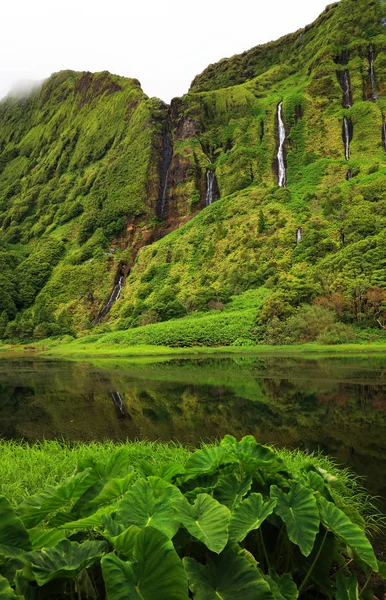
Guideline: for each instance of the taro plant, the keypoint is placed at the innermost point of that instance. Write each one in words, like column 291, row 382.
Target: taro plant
column 234, row 523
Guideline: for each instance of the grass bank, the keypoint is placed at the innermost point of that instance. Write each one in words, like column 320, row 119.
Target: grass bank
column 89, row 348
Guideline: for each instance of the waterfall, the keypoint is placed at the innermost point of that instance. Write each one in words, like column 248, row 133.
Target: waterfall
column 299, row 234
column 164, row 169
column 117, row 399
column 280, row 153
column 372, row 71
column 342, row 238
column 347, row 136
column 384, row 134
column 349, row 175
column 210, row 181
column 344, row 80
column 114, row 296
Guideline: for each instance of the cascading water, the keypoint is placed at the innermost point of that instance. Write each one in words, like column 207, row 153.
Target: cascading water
column 114, row 296
column 344, row 80
column 280, row 154
column 164, row 169
column 117, row 399
column 299, row 235
column 210, row 184
column 372, row 71
column 346, row 137
column 349, row 175
column 384, row 134
column 342, row 238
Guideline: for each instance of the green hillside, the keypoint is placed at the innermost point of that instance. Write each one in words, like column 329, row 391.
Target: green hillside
column 119, row 212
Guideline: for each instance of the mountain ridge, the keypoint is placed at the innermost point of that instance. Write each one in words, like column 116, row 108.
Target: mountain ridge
column 95, row 176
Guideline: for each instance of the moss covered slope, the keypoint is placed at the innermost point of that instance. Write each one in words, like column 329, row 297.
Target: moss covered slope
column 97, row 182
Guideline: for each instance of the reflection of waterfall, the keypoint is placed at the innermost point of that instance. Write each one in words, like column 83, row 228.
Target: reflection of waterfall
column 349, row 175
column 280, row 153
column 117, row 399
column 114, row 296
column 347, row 136
column 210, row 179
column 344, row 80
column 372, row 71
column 299, row 234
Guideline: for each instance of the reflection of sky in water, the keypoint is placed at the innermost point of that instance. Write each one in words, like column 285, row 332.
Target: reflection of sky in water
column 335, row 404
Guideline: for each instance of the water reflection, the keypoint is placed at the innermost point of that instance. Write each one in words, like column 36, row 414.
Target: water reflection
column 337, row 405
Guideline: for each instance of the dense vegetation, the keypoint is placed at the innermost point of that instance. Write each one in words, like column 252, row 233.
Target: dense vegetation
column 231, row 520
column 97, row 183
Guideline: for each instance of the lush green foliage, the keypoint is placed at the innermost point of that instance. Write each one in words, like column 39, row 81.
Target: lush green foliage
column 81, row 163
column 234, row 518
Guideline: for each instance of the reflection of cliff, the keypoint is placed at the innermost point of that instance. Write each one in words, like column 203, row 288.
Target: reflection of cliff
column 288, row 402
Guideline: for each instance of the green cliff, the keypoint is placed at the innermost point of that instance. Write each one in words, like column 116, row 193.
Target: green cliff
column 118, row 211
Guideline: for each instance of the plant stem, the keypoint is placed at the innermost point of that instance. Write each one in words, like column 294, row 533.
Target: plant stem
column 365, row 586
column 264, row 548
column 313, row 564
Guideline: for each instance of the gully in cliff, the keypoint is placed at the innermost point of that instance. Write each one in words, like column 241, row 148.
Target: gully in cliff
column 164, row 169
column 114, row 296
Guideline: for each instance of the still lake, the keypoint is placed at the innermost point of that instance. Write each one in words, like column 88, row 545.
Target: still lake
column 337, row 405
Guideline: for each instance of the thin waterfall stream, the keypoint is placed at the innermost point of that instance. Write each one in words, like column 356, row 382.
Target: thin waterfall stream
column 164, row 169
column 347, row 136
column 210, row 187
column 280, row 154
column 344, row 80
column 372, row 71
column 114, row 296
column 384, row 133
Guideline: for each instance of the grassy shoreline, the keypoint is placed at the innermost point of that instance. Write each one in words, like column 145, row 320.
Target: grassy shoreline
column 81, row 349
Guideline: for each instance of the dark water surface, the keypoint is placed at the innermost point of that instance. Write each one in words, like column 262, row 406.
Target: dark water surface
column 335, row 404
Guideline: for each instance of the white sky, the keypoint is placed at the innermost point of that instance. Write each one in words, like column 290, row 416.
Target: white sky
column 163, row 43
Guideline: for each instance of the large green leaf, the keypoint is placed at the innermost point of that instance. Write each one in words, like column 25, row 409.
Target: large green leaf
column 150, row 503
column 6, row 592
column 45, row 538
column 255, row 456
column 114, row 489
column 207, row 520
column 118, row 466
column 157, row 574
column 230, row 489
column 229, row 576
column 346, row 587
column 94, row 520
column 207, row 459
column 125, row 541
column 299, row 511
column 283, row 585
column 14, row 538
column 71, row 490
column 66, row 559
column 338, row 522
column 168, row 471
column 249, row 515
